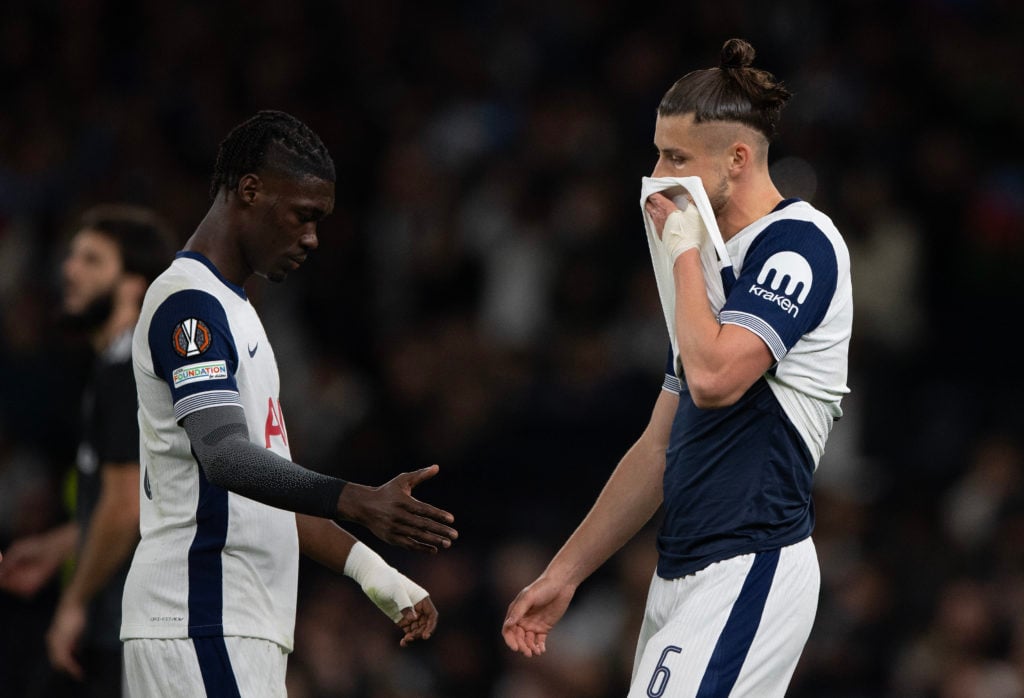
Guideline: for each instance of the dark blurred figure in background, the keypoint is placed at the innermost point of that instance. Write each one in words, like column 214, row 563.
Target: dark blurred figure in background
column 114, row 254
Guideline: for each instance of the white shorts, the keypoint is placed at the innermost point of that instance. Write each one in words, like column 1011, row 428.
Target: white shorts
column 217, row 667
column 735, row 628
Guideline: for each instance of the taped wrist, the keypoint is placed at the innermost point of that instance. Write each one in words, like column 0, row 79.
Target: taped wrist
column 684, row 230
column 221, row 446
column 389, row 589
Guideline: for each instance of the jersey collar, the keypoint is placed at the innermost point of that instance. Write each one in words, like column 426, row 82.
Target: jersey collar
column 784, row 203
column 189, row 254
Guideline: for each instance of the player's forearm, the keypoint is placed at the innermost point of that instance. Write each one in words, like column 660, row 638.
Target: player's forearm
column 324, row 541
column 262, row 475
column 220, row 441
column 698, row 333
column 109, row 541
column 627, row 502
column 61, row 541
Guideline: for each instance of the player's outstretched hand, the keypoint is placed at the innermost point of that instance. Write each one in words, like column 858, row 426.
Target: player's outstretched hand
column 533, row 613
column 418, row 622
column 395, row 516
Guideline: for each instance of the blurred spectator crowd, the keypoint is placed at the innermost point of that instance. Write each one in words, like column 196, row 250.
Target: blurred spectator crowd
column 482, row 298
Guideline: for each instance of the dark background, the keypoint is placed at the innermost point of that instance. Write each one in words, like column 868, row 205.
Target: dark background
column 482, row 298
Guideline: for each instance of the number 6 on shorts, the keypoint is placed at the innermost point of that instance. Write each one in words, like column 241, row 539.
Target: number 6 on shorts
column 661, row 675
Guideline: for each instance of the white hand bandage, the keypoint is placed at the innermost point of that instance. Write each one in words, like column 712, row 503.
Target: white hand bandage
column 684, row 230
column 389, row 589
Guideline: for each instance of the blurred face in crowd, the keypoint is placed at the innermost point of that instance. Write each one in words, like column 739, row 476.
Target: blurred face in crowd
column 90, row 273
column 707, row 150
column 283, row 222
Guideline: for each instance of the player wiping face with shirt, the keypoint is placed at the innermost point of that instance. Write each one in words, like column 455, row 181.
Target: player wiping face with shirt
column 753, row 383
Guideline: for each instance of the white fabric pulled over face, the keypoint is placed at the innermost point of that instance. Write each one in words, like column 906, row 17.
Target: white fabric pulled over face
column 684, row 192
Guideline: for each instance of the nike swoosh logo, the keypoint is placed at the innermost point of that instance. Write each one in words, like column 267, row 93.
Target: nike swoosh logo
column 252, row 350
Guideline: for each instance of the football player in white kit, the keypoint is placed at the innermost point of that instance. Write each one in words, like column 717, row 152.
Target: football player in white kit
column 209, row 604
column 735, row 436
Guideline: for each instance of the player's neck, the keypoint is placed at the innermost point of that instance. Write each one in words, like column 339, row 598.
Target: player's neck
column 746, row 205
column 213, row 239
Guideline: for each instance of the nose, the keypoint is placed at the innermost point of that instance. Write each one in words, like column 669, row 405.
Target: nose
column 659, row 168
column 309, row 239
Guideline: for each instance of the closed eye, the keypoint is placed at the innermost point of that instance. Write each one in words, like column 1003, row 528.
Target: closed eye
column 309, row 215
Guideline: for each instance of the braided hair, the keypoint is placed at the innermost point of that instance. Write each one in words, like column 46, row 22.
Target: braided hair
column 271, row 140
column 734, row 91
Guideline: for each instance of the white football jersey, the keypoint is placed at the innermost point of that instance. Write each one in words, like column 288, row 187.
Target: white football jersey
column 739, row 479
column 210, row 562
column 809, row 379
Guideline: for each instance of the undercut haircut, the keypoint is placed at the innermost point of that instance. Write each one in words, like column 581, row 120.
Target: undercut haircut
column 147, row 242
column 734, row 91
column 270, row 141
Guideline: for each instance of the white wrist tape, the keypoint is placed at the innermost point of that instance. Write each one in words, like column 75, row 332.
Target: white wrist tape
column 684, row 229
column 389, row 589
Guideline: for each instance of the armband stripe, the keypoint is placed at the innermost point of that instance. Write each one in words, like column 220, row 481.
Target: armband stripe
column 759, row 327
column 199, row 401
column 672, row 384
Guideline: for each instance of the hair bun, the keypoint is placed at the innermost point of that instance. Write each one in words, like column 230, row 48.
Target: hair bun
column 736, row 53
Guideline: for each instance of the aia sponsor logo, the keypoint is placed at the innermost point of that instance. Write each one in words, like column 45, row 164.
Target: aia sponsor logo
column 783, row 276
column 275, row 422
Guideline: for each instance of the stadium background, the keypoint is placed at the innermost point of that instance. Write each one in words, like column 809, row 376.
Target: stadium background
column 482, row 299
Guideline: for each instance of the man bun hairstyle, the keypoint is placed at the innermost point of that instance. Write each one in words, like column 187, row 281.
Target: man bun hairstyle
column 734, row 91
column 270, row 140
column 146, row 240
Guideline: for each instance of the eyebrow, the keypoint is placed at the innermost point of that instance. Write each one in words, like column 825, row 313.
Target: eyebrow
column 314, row 212
column 670, row 151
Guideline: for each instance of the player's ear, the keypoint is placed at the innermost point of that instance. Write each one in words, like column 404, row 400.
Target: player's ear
column 248, row 187
column 740, row 156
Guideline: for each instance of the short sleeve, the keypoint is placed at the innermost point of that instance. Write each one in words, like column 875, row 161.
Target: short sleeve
column 672, row 382
column 787, row 283
column 194, row 352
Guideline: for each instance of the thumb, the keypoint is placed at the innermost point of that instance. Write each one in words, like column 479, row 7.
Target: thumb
column 408, row 616
column 400, row 607
column 390, row 596
column 423, row 474
column 515, row 613
column 415, row 591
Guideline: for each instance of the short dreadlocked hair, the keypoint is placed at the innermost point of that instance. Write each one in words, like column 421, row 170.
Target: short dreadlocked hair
column 271, row 140
column 734, row 91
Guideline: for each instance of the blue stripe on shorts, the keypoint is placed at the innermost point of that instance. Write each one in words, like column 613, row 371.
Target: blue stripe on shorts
column 738, row 633
column 215, row 665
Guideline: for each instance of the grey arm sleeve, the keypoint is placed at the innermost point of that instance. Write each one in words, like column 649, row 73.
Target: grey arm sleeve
column 221, row 446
